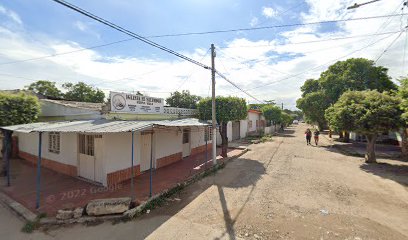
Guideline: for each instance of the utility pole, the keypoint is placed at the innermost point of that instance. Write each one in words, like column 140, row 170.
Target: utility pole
column 282, row 106
column 214, row 127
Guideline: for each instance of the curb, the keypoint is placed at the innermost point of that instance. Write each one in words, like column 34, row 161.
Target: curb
column 29, row 216
column 17, row 208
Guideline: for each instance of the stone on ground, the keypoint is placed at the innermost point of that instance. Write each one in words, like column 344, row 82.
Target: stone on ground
column 107, row 206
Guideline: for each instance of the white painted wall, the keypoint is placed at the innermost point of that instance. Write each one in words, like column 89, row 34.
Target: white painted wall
column 28, row 142
column 243, row 125
column 167, row 142
column 198, row 137
column 253, row 117
column 229, row 134
column 117, row 151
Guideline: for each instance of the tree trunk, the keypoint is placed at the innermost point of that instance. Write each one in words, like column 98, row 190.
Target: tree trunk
column 341, row 134
column 370, row 155
column 6, row 144
column 346, row 136
column 224, row 139
column 404, row 143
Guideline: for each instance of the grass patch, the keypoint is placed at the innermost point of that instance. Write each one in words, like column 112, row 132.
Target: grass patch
column 30, row 226
column 266, row 138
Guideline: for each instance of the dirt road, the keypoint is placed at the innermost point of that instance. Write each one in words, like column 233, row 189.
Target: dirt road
column 279, row 190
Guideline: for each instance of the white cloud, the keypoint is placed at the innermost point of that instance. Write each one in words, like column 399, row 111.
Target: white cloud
column 277, row 67
column 81, row 26
column 254, row 22
column 10, row 14
column 269, row 12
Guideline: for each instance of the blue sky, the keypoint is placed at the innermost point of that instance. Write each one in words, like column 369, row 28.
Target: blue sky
column 31, row 29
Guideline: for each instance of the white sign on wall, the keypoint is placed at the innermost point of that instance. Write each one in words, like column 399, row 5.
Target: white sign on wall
column 131, row 103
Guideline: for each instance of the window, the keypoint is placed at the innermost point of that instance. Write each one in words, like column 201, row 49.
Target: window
column 208, row 134
column 250, row 124
column 257, row 123
column 54, row 142
column 87, row 144
column 186, row 136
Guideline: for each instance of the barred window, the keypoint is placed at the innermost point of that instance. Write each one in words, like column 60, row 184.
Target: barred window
column 208, row 134
column 87, row 144
column 54, row 142
column 186, row 136
column 250, row 124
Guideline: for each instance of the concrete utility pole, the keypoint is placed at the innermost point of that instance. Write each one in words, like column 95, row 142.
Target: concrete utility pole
column 282, row 106
column 214, row 127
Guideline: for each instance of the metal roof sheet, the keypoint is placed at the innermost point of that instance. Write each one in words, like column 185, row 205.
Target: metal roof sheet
column 101, row 125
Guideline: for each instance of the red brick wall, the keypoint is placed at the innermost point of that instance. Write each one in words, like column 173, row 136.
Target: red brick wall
column 122, row 175
column 201, row 149
column 50, row 164
column 164, row 161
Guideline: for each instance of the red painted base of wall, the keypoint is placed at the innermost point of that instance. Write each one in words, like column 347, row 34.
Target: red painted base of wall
column 50, row 164
column 164, row 161
column 201, row 149
column 122, row 175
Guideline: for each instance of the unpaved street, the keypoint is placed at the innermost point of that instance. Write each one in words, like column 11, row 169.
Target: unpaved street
column 279, row 190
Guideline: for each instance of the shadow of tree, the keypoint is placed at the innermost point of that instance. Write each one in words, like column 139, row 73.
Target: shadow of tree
column 395, row 172
column 238, row 173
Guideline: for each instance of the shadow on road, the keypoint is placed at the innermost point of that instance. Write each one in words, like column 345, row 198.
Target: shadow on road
column 238, row 173
column 395, row 172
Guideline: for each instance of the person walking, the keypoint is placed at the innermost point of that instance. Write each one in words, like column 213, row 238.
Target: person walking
column 308, row 134
column 316, row 134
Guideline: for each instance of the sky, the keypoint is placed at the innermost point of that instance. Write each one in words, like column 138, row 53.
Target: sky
column 43, row 40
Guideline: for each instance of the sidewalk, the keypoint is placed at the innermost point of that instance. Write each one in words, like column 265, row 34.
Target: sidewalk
column 60, row 191
column 359, row 148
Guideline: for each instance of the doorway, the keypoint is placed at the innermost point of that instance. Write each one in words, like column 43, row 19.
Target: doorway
column 90, row 157
column 146, row 151
column 186, row 142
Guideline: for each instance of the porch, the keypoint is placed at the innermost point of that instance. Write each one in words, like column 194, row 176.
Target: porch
column 59, row 191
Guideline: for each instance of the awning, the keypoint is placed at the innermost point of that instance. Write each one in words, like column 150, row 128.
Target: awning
column 102, row 125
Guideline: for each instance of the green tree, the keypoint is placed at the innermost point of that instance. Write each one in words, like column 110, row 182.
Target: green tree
column 272, row 113
column 366, row 112
column 403, row 93
column 183, row 99
column 16, row 109
column 313, row 105
column 310, row 85
column 356, row 74
column 81, row 92
column 227, row 109
column 46, row 88
column 286, row 119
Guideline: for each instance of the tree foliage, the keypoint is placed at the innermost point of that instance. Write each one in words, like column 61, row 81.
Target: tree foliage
column 226, row 109
column 313, row 105
column 183, row 99
column 18, row 108
column 286, row 119
column 46, row 88
column 403, row 93
column 272, row 113
column 356, row 74
column 366, row 112
column 82, row 92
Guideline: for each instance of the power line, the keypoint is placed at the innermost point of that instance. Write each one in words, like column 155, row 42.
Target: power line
column 235, row 85
column 130, row 33
column 322, row 65
column 315, row 41
column 202, row 33
column 273, row 26
column 388, row 47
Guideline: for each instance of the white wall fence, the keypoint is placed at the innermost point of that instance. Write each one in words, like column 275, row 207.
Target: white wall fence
column 180, row 111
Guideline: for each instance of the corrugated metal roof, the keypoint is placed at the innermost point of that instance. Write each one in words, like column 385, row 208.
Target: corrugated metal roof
column 101, row 125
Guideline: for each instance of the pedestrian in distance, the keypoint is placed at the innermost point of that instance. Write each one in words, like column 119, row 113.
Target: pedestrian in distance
column 308, row 134
column 316, row 134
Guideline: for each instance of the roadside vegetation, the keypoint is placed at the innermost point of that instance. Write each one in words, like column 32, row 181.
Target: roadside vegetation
column 356, row 95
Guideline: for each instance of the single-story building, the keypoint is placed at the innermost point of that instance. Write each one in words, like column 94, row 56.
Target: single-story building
column 100, row 150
